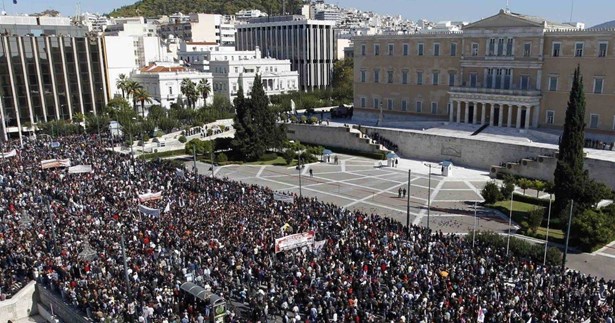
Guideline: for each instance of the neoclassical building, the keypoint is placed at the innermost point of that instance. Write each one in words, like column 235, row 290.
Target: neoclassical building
column 508, row 70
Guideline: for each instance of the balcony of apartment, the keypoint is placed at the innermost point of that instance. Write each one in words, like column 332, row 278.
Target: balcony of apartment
column 512, row 91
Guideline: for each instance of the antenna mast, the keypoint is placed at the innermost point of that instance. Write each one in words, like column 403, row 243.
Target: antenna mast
column 571, row 9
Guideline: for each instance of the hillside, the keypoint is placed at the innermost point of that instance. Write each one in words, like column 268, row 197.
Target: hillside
column 156, row 8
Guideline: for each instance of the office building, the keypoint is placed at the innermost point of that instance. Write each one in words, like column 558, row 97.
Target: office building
column 200, row 27
column 508, row 70
column 309, row 45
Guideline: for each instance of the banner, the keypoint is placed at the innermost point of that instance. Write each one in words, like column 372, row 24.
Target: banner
column 11, row 153
column 80, row 169
column 294, row 241
column 318, row 245
column 179, row 173
column 54, row 163
column 167, row 208
column 150, row 196
column 149, row 211
column 283, row 197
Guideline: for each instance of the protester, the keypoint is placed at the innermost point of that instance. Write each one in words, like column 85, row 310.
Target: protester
column 222, row 234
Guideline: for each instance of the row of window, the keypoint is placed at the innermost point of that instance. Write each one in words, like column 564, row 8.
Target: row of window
column 598, row 84
column 405, row 79
column 594, row 120
column 390, row 104
column 495, row 47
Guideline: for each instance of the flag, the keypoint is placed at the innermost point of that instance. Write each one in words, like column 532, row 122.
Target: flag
column 318, row 245
column 53, row 163
column 150, row 196
column 149, row 211
column 80, row 169
column 167, row 208
column 481, row 315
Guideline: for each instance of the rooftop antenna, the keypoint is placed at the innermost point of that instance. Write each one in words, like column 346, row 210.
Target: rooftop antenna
column 507, row 6
column 571, row 9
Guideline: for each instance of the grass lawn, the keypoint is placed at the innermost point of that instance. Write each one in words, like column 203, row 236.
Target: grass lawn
column 517, row 206
column 554, row 234
column 279, row 161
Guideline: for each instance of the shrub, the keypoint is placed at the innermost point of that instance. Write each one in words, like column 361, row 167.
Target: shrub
column 491, row 193
column 304, row 119
column 293, row 118
column 210, row 132
column 268, row 157
column 182, row 139
column 308, row 158
column 531, row 200
column 221, row 158
column 159, row 133
column 146, row 137
column 313, row 120
column 289, row 155
column 518, row 247
column 535, row 218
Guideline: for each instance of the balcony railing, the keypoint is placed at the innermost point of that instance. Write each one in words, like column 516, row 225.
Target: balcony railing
column 481, row 90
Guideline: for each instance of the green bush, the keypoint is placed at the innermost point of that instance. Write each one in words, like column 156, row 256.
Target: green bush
column 268, row 156
column 146, row 137
column 518, row 247
column 593, row 229
column 223, row 143
column 210, row 132
column 531, row 200
column 221, row 158
column 182, row 139
column 289, row 155
column 308, row 158
column 159, row 133
column 304, row 119
column 293, row 118
column 491, row 193
column 313, row 120
column 535, row 218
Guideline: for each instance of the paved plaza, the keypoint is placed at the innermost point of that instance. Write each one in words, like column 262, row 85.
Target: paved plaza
column 360, row 183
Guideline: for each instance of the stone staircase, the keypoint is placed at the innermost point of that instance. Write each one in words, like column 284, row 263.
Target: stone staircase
column 539, row 167
column 364, row 139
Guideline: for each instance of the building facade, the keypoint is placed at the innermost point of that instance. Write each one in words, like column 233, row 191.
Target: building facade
column 201, row 27
column 230, row 72
column 162, row 80
column 44, row 78
column 309, row 45
column 508, row 70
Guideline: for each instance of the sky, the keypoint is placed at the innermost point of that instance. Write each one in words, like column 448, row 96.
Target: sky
column 591, row 12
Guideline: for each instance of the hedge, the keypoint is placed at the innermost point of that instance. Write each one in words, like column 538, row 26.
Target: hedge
column 519, row 248
column 531, row 200
column 168, row 153
column 346, row 151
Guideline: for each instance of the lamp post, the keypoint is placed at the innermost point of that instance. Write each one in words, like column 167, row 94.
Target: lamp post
column 97, row 125
column 408, row 207
column 125, row 264
column 474, row 231
column 429, row 192
column 52, row 224
column 299, row 168
column 510, row 221
column 544, row 261
column 567, row 236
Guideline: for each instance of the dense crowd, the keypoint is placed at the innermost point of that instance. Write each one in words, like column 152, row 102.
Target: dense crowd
column 221, row 233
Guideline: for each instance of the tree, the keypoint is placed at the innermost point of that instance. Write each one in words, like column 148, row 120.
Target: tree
column 539, row 186
column 508, row 186
column 131, row 87
column 491, row 193
column 121, row 84
column 204, row 89
column 156, row 112
column 592, row 228
column 535, row 218
column 244, row 129
column 141, row 95
column 342, row 81
column 188, row 89
column 524, row 184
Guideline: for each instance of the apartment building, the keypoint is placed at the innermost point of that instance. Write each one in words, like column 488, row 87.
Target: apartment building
column 508, row 70
column 201, row 27
column 309, row 45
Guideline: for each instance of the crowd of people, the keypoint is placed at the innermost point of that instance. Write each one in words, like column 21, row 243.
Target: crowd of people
column 66, row 231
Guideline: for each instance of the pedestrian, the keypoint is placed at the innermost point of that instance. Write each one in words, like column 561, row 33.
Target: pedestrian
column 404, row 192
column 399, row 192
column 396, row 163
column 311, row 173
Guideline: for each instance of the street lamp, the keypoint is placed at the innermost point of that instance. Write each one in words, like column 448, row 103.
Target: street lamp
column 408, row 207
column 567, row 236
column 429, row 194
column 299, row 168
column 512, row 194
column 125, row 262
column 544, row 261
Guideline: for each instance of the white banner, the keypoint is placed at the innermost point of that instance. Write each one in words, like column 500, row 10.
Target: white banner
column 318, row 245
column 294, row 241
column 149, row 211
column 283, row 197
column 80, row 169
column 150, row 196
column 11, row 153
column 54, row 163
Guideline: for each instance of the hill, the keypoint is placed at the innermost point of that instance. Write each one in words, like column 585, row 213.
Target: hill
column 156, row 8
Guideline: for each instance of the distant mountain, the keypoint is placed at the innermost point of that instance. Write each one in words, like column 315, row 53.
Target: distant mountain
column 156, row 8
column 606, row 25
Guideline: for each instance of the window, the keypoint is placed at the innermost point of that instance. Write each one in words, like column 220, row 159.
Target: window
column 434, row 107
column 420, row 49
column 474, row 49
column 363, row 103
column 613, row 122
column 501, row 47
column 404, row 77
column 170, row 90
column 404, row 105
column 435, row 78
column 391, row 48
column 527, row 49
column 491, row 46
column 406, row 49
column 376, row 103
column 509, row 47
column 390, row 104
column 602, row 47
column 473, row 79
column 552, row 83
column 419, row 106
column 390, row 77
column 453, row 49
column 363, row 50
column 557, row 47
column 436, row 49
column 451, row 78
column 598, row 84
column 550, row 116
column 594, row 121
column 376, row 76
column 525, row 82
column 376, row 49
column 419, row 78
column 363, row 76
column 578, row 49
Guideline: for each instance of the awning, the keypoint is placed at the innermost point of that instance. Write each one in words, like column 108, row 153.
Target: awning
column 392, row 155
column 200, row 293
column 327, row 152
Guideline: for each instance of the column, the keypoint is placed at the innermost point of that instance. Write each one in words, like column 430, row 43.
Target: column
column 466, row 118
column 519, row 116
column 483, row 114
column 527, row 117
column 491, row 114
column 500, row 115
column 451, row 112
column 510, row 107
column 458, row 111
column 475, row 114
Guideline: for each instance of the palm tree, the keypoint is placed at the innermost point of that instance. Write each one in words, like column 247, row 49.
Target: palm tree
column 204, row 88
column 131, row 87
column 140, row 94
column 188, row 89
column 121, row 84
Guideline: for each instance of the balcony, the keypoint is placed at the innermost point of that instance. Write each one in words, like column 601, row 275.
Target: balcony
column 482, row 90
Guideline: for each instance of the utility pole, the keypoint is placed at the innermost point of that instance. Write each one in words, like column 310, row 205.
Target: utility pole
column 544, row 261
column 408, row 207
column 474, row 231
column 196, row 172
column 53, row 226
column 300, row 170
column 567, row 236
column 126, row 267
column 211, row 155
column 510, row 221
column 429, row 194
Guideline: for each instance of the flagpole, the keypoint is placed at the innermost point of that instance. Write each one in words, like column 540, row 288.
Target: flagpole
column 544, row 261
column 510, row 221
